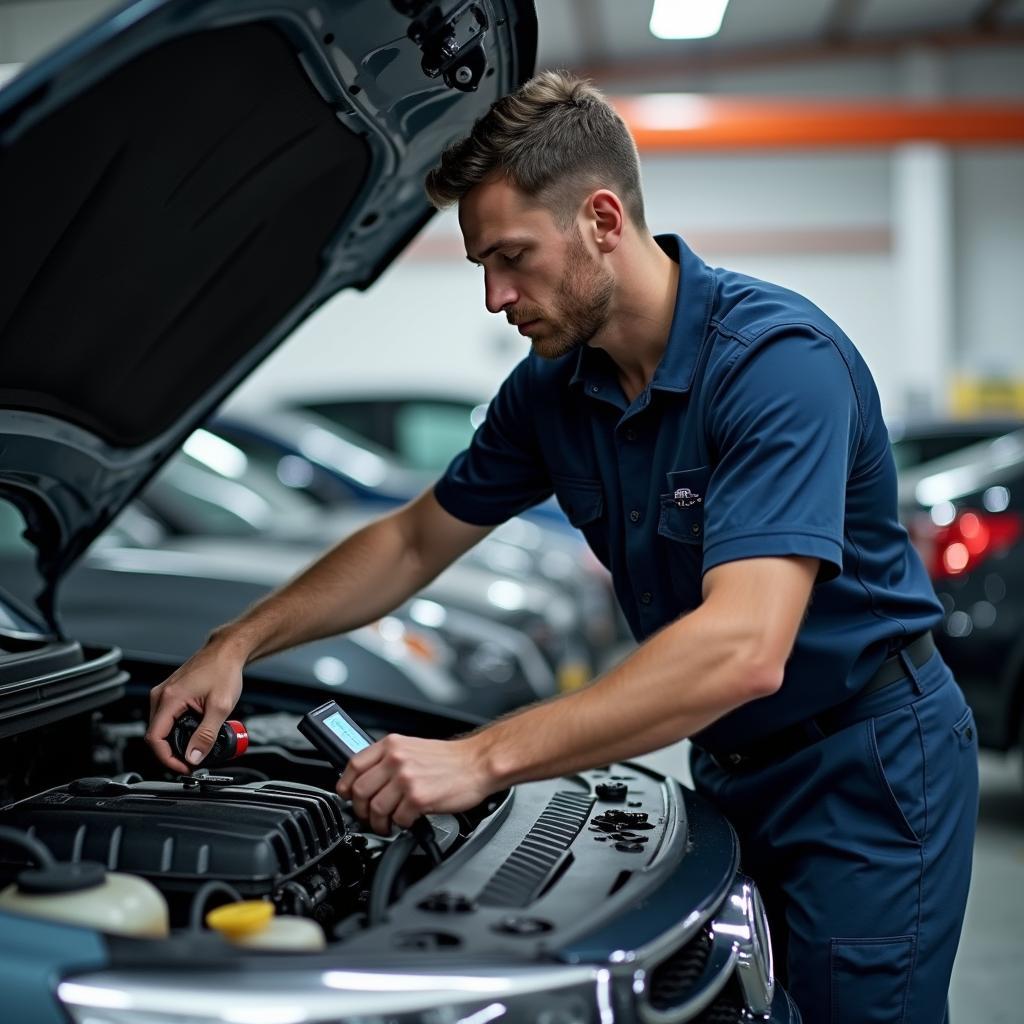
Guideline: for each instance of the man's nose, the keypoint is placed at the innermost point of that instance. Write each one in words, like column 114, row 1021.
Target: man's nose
column 498, row 293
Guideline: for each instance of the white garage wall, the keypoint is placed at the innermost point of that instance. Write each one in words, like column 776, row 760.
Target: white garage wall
column 422, row 323
column 425, row 321
column 989, row 232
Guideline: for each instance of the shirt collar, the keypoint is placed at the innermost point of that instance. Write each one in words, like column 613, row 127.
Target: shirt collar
column 686, row 333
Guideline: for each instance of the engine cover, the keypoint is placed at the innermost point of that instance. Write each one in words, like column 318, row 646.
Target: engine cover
column 257, row 837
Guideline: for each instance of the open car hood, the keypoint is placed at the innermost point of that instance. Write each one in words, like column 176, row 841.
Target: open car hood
column 179, row 187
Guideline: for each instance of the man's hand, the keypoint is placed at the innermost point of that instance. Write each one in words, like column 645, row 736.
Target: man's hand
column 401, row 778
column 210, row 682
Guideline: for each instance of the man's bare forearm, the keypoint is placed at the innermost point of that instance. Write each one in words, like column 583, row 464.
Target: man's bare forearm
column 674, row 685
column 732, row 649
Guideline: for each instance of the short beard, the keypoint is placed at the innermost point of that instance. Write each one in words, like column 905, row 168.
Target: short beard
column 582, row 303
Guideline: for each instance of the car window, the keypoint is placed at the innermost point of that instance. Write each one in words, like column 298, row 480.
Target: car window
column 11, row 528
column 428, row 435
column 19, row 578
column 369, row 419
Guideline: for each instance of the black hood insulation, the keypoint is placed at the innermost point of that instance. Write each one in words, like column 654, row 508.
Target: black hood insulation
column 218, row 145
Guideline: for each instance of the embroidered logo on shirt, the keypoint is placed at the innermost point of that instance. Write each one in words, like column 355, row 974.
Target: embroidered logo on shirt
column 685, row 498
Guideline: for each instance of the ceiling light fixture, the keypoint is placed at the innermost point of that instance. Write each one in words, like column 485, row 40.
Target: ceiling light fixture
column 687, row 19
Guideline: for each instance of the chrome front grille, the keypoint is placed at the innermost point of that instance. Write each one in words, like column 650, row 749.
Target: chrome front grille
column 673, row 979
column 721, row 975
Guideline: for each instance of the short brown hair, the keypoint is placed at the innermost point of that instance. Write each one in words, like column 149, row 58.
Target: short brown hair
column 556, row 138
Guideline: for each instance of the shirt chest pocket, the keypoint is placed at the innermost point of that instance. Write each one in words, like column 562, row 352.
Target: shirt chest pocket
column 681, row 532
column 582, row 501
column 681, row 516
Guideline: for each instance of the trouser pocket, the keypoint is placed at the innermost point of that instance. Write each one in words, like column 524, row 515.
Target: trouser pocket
column 897, row 754
column 870, row 979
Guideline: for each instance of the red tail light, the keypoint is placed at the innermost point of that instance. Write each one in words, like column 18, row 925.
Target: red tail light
column 966, row 542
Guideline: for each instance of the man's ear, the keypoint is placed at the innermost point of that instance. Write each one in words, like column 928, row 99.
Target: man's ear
column 606, row 218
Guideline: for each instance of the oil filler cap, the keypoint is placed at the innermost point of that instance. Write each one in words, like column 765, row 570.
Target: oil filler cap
column 613, row 792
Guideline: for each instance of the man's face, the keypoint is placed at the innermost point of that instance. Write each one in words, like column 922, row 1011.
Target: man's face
column 542, row 278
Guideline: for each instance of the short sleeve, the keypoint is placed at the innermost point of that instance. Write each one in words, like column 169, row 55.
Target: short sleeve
column 502, row 472
column 784, row 424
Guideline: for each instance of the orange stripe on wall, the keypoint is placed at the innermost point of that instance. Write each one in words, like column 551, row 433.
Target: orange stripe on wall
column 681, row 121
column 767, row 241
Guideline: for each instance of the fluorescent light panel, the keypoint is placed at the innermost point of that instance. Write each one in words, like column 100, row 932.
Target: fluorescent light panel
column 687, row 19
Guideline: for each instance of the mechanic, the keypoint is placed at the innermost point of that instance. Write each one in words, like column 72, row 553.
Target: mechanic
column 719, row 442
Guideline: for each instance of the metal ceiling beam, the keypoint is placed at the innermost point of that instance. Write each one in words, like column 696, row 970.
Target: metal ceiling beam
column 662, row 122
column 687, row 61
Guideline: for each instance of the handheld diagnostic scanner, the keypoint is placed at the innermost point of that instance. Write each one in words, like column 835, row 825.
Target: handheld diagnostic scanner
column 334, row 734
column 339, row 738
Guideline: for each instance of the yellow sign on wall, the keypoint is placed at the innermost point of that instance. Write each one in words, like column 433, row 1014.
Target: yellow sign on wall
column 987, row 396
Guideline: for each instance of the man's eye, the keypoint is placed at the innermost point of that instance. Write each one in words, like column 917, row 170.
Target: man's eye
column 513, row 260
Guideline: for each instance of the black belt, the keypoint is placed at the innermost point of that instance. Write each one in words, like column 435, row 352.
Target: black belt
column 795, row 737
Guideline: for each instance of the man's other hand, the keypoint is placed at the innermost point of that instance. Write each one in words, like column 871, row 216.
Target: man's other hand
column 400, row 778
column 210, row 683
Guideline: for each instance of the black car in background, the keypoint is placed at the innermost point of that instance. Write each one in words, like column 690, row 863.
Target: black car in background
column 921, row 440
column 965, row 515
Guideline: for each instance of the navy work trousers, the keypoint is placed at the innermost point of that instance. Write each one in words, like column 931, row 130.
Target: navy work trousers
column 861, row 844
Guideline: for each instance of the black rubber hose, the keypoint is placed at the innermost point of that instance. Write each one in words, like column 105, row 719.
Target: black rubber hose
column 37, row 849
column 202, row 896
column 392, row 862
column 303, row 903
column 424, row 833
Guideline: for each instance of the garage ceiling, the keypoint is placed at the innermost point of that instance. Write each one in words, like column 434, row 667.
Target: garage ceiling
column 600, row 35
column 609, row 39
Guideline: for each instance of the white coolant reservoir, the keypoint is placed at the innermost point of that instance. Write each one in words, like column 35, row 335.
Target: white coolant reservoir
column 87, row 894
column 253, row 924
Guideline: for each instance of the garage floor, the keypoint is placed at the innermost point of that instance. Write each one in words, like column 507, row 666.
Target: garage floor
column 988, row 979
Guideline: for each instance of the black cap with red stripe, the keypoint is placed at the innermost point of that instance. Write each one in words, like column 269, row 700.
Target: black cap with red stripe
column 232, row 740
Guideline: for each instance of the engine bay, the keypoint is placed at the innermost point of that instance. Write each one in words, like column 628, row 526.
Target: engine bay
column 287, row 842
column 270, row 827
column 528, row 867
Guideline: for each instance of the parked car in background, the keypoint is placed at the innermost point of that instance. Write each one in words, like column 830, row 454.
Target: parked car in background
column 245, row 517
column 180, row 186
column 355, row 466
column 304, row 453
column 161, row 601
column 921, row 440
column 422, row 430
column 965, row 514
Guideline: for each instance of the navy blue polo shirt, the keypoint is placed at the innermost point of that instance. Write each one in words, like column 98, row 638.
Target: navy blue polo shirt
column 759, row 435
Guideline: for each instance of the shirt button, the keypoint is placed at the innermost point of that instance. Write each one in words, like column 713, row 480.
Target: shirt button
column 595, row 388
column 634, row 516
column 631, row 434
column 646, row 597
column 695, row 528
